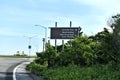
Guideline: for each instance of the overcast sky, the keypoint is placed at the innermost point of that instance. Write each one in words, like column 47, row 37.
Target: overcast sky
column 18, row 17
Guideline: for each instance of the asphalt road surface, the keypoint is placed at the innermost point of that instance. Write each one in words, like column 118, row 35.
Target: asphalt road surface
column 8, row 65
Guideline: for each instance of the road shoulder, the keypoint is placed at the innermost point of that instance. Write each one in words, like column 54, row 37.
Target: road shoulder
column 23, row 74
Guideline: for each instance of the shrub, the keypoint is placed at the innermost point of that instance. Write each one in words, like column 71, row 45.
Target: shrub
column 74, row 72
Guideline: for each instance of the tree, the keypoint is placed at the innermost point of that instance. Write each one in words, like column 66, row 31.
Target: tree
column 115, row 26
column 110, row 41
column 81, row 51
column 105, row 51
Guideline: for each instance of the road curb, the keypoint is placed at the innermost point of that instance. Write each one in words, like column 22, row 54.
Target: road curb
column 34, row 77
column 9, row 71
column 31, row 76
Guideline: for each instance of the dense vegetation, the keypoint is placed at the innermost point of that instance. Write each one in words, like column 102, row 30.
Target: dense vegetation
column 85, row 57
column 110, row 71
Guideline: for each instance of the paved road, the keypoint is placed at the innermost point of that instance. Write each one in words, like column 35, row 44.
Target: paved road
column 7, row 66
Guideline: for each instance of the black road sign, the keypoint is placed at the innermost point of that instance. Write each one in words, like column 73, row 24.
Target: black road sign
column 64, row 32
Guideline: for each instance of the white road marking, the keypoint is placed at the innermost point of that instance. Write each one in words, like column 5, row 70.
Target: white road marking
column 14, row 71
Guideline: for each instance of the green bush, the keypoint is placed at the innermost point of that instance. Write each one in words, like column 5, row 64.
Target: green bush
column 36, row 68
column 74, row 72
column 83, row 50
column 48, row 56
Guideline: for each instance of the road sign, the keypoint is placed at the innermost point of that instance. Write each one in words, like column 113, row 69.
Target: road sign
column 64, row 32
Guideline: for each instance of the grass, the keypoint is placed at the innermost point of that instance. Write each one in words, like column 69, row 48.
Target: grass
column 10, row 56
column 73, row 72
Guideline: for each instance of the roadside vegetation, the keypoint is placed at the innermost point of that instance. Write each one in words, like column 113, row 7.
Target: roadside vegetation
column 13, row 56
column 110, row 71
column 95, row 57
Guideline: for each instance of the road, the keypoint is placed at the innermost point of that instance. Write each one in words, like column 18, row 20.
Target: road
column 8, row 65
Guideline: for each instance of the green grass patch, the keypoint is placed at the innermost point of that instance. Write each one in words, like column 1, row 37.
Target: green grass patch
column 73, row 72
column 6, row 56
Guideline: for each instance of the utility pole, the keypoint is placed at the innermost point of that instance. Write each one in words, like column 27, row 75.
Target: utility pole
column 29, row 43
column 45, row 39
column 43, row 44
column 29, row 46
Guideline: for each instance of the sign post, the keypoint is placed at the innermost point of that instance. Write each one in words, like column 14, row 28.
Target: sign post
column 63, row 33
column 56, row 39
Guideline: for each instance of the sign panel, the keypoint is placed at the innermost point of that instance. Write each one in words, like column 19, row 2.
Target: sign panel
column 64, row 32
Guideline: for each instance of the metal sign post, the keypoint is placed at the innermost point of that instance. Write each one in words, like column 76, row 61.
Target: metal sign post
column 64, row 33
column 56, row 39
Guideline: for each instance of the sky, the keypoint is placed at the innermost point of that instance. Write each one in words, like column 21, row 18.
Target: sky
column 19, row 17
